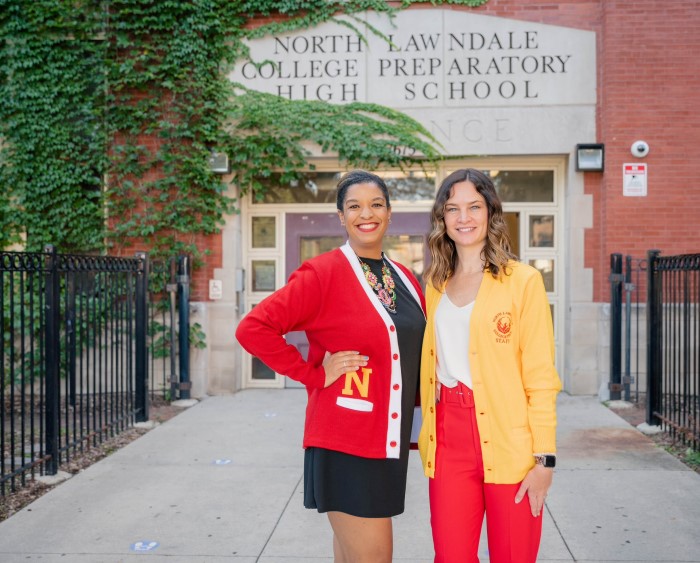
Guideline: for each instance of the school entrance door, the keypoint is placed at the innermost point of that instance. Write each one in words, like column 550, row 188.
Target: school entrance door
column 292, row 224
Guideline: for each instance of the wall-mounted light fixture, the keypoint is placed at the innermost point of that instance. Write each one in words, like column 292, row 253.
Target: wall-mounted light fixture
column 590, row 157
column 218, row 162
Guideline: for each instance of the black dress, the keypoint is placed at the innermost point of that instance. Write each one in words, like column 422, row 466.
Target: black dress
column 372, row 488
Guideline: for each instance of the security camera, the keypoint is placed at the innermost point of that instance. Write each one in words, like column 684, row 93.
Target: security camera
column 639, row 149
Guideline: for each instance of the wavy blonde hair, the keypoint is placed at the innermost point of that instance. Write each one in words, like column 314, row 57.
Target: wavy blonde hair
column 497, row 246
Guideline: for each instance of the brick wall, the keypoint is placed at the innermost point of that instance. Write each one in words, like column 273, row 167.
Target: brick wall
column 648, row 89
column 200, row 278
column 649, row 83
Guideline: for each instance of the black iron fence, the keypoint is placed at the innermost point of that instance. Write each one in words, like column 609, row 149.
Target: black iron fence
column 660, row 342
column 673, row 355
column 169, row 328
column 627, row 328
column 83, row 355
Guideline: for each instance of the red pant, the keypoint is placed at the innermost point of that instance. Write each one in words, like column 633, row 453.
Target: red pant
column 459, row 497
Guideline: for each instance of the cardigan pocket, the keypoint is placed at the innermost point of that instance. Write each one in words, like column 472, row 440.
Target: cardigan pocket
column 354, row 404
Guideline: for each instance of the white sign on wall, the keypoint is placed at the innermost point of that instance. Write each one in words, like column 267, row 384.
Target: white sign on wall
column 471, row 79
column 634, row 179
column 216, row 289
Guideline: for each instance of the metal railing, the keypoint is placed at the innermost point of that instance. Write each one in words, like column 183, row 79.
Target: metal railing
column 82, row 342
column 656, row 333
column 627, row 328
column 169, row 328
column 673, row 353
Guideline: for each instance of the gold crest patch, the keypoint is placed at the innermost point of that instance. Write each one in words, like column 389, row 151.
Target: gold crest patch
column 502, row 325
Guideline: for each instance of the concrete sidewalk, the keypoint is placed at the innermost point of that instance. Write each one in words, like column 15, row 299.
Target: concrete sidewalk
column 222, row 482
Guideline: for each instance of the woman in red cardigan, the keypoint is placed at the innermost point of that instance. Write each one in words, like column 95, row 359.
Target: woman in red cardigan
column 364, row 319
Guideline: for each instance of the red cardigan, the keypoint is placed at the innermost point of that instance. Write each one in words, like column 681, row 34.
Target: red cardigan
column 329, row 299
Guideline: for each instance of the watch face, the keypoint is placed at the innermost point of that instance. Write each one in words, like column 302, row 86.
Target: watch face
column 550, row 460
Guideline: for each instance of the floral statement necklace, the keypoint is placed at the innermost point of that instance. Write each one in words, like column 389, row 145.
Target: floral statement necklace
column 386, row 290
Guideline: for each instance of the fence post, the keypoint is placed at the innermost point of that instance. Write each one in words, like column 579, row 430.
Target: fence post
column 184, row 324
column 654, row 372
column 51, row 359
column 616, row 281
column 171, row 287
column 629, row 288
column 70, row 339
column 141, row 332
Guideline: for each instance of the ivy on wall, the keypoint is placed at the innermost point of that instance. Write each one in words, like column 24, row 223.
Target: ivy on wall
column 53, row 144
column 109, row 110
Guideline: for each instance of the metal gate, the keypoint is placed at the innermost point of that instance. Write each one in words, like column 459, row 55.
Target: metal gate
column 663, row 347
column 82, row 337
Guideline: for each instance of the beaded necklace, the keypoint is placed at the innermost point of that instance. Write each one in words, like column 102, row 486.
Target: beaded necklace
column 386, row 291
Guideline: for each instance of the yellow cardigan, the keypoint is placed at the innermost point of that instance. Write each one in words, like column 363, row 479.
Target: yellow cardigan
column 515, row 383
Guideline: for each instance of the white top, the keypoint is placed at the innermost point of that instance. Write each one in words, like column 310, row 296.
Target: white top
column 452, row 331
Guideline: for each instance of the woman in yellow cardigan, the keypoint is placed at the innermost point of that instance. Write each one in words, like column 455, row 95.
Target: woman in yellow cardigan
column 488, row 381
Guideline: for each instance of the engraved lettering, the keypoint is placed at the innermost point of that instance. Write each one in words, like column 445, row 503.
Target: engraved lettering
column 302, row 44
column 512, row 40
column 473, row 131
column 284, row 91
column 490, row 66
column 416, row 43
column 349, row 92
column 502, row 131
column 437, row 129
